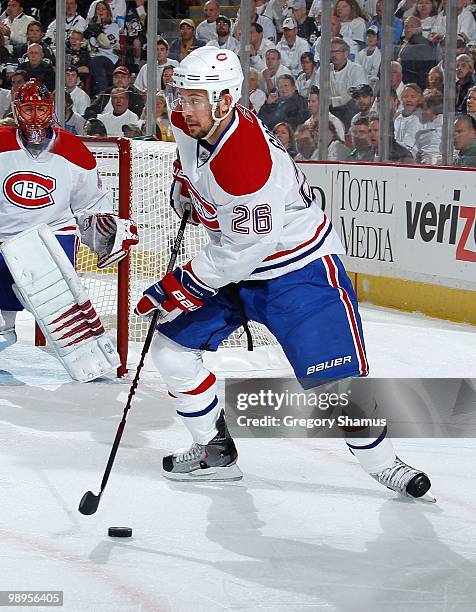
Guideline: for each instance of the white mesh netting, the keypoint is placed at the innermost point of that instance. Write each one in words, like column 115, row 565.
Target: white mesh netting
column 157, row 223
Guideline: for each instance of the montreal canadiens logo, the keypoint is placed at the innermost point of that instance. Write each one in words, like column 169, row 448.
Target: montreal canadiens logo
column 206, row 212
column 221, row 57
column 29, row 189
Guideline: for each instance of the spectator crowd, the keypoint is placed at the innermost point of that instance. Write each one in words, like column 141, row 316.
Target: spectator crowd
column 106, row 71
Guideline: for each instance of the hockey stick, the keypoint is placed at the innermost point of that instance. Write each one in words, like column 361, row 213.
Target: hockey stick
column 89, row 502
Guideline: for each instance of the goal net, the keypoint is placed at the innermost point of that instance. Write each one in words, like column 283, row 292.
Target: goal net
column 138, row 175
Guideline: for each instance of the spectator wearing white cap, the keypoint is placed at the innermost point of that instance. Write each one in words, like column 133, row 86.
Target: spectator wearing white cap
column 370, row 57
column 186, row 42
column 162, row 60
column 223, row 38
column 259, row 45
column 206, row 30
column 291, row 47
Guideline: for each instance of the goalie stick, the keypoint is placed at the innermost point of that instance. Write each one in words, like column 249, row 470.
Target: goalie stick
column 89, row 502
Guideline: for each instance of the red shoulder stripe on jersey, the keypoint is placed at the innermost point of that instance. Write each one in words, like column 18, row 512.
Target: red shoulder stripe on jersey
column 243, row 164
column 8, row 139
column 71, row 147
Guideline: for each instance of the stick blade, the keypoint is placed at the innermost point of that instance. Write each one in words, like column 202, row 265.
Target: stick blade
column 89, row 503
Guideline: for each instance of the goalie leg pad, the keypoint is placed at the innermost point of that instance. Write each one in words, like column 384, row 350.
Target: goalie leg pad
column 48, row 286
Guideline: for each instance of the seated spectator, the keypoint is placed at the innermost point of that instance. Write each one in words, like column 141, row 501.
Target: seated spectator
column 306, row 144
column 464, row 138
column 207, row 29
column 135, row 29
column 94, row 127
column 166, row 78
column 436, row 79
column 364, row 100
column 307, row 76
column 275, row 10
column 73, row 122
column 336, row 149
column 257, row 96
column 34, row 34
column 369, row 57
column 464, row 80
column 259, row 45
column 362, row 149
column 163, row 129
column 466, row 25
column 344, row 75
column 18, row 78
column 285, row 134
column 118, row 11
column 5, row 55
column 336, row 33
column 186, row 42
column 132, row 131
column 471, row 102
column 5, row 101
column 73, row 21
column 103, row 35
column 223, row 38
column 102, row 103
column 428, row 139
column 162, row 60
column 353, row 21
column 395, row 105
column 36, row 68
column 80, row 98
column 313, row 107
column 77, row 54
column 408, row 121
column 120, row 115
column 416, row 53
column 292, row 47
column 269, row 29
column 287, row 105
column 376, row 21
column 15, row 23
column 397, row 153
column 396, row 79
column 426, row 12
column 274, row 69
column 306, row 26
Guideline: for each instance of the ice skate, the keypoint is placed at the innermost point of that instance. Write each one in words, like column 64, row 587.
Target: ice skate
column 406, row 480
column 7, row 338
column 204, row 462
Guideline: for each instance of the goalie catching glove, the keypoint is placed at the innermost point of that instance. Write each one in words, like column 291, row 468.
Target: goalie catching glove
column 179, row 291
column 108, row 236
column 180, row 195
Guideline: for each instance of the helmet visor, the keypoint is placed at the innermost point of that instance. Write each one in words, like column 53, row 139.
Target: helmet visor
column 186, row 100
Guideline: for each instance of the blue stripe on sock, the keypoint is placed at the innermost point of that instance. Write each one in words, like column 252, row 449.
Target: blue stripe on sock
column 372, row 444
column 200, row 412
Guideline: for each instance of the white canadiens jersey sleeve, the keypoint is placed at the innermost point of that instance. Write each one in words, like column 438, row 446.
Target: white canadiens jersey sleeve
column 253, row 201
column 54, row 188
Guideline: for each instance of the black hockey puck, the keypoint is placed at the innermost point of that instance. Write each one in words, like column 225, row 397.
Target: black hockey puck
column 119, row 532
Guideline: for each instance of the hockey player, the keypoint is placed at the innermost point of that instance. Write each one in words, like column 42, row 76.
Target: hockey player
column 48, row 176
column 272, row 256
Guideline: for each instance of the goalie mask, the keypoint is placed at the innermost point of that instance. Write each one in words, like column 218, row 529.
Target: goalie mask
column 208, row 69
column 33, row 107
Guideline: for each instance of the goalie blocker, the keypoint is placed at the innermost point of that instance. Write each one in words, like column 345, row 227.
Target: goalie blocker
column 48, row 286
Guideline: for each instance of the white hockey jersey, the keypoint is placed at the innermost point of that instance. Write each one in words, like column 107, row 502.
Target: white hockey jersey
column 53, row 188
column 253, row 201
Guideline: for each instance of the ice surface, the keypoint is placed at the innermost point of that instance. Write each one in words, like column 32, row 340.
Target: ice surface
column 306, row 529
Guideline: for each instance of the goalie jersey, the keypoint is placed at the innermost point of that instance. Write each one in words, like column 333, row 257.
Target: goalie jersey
column 254, row 202
column 53, row 188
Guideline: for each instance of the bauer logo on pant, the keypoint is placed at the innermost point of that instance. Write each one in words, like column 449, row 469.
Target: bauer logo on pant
column 29, row 189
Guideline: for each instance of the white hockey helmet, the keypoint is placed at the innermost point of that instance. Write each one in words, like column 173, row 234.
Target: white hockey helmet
column 212, row 70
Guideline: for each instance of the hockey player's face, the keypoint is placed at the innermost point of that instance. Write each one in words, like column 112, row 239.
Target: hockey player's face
column 197, row 112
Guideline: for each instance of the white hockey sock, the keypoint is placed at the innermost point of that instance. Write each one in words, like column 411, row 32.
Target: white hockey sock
column 192, row 387
column 373, row 454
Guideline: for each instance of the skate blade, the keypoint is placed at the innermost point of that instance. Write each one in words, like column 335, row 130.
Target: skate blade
column 217, row 474
column 427, row 498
